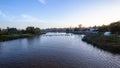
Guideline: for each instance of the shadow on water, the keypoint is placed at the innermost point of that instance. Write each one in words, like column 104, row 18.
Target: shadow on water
column 33, row 40
column 1, row 46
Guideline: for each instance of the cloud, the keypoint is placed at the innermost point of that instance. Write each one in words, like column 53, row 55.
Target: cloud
column 20, row 21
column 2, row 14
column 42, row 1
column 28, row 18
column 24, row 18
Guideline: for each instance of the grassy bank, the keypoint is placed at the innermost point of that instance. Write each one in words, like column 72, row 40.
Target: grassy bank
column 108, row 43
column 14, row 36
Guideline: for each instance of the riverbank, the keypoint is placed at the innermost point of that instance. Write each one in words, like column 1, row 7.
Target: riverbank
column 108, row 43
column 16, row 36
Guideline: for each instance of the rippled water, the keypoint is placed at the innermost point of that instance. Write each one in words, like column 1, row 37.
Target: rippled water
column 55, row 50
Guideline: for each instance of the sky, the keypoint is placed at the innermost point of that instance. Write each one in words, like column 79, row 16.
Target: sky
column 58, row 13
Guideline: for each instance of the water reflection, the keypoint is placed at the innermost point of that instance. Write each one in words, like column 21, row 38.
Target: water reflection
column 58, row 34
column 31, row 42
column 1, row 47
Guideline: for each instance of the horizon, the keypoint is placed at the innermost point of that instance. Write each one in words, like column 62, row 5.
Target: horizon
column 58, row 13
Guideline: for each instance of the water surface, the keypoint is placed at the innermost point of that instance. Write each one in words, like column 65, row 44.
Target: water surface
column 55, row 50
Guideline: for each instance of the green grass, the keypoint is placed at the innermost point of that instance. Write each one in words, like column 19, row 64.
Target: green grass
column 14, row 36
column 110, row 43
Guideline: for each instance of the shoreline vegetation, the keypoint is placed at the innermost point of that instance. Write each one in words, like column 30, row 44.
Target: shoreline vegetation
column 13, row 33
column 108, row 43
column 106, row 37
column 15, row 36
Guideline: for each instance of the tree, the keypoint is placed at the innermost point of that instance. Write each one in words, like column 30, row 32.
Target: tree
column 33, row 30
column 80, row 26
column 76, row 29
column 37, row 30
column 68, row 30
column 94, row 26
column 103, row 28
column 30, row 30
column 115, row 27
column 11, row 30
column 23, row 31
column 0, row 30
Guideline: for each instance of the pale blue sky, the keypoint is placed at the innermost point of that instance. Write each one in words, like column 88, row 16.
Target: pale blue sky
column 58, row 13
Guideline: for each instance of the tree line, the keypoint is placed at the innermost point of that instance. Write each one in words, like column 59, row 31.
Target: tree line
column 114, row 28
column 28, row 30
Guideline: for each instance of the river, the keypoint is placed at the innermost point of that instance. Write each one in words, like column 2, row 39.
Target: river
column 55, row 50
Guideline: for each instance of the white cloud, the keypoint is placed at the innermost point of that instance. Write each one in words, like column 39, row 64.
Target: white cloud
column 2, row 14
column 24, row 18
column 20, row 21
column 28, row 18
column 42, row 1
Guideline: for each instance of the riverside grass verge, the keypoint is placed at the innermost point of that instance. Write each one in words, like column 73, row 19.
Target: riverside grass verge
column 15, row 36
column 108, row 43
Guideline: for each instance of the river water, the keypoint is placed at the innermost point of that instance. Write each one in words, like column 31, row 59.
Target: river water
column 55, row 50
